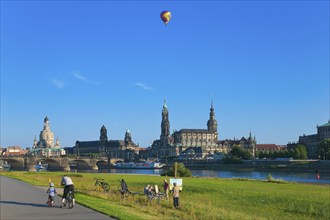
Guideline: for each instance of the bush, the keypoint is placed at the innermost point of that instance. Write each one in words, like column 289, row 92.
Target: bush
column 182, row 171
column 232, row 160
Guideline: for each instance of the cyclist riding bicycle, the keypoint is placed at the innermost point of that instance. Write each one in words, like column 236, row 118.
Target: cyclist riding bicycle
column 68, row 186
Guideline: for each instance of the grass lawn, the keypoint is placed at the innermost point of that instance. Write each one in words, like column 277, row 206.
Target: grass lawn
column 201, row 198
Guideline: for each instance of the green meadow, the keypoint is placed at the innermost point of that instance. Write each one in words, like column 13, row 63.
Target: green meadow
column 201, row 198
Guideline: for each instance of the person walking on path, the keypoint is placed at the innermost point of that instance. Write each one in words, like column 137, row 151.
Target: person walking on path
column 176, row 192
column 166, row 190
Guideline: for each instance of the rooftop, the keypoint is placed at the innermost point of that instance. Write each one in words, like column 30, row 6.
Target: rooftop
column 325, row 125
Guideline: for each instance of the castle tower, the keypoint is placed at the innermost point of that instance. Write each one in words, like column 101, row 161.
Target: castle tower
column 165, row 126
column 128, row 137
column 212, row 124
column 35, row 142
column 103, row 136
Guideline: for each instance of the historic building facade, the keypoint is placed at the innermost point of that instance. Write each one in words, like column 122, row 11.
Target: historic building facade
column 16, row 151
column 124, row 149
column 46, row 146
column 205, row 139
column 312, row 141
column 246, row 143
column 269, row 148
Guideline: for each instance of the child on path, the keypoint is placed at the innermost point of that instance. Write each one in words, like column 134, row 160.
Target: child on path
column 51, row 193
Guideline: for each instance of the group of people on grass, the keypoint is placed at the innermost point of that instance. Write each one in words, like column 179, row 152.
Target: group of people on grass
column 175, row 192
column 68, row 186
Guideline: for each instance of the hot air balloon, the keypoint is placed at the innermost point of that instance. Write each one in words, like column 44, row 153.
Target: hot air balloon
column 165, row 16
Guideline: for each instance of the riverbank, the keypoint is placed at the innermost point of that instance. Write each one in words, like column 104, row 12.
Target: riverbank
column 310, row 166
column 201, row 198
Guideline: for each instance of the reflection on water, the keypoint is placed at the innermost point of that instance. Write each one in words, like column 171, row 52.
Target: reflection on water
column 127, row 171
column 323, row 178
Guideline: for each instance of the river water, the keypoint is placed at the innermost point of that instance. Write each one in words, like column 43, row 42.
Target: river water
column 321, row 178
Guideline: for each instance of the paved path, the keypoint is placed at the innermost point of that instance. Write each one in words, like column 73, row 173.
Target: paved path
column 20, row 200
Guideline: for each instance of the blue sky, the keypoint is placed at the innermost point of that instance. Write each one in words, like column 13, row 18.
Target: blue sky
column 85, row 64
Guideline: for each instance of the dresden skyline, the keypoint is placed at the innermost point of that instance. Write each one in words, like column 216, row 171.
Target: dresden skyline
column 85, row 64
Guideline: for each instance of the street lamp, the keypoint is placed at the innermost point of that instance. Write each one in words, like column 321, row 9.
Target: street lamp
column 108, row 155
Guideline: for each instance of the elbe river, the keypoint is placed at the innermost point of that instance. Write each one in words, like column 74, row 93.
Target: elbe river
column 303, row 177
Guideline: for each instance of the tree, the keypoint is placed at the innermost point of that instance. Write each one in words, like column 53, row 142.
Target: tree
column 324, row 149
column 239, row 152
column 300, row 152
column 182, row 171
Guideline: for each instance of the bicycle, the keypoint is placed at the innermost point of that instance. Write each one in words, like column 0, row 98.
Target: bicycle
column 69, row 200
column 104, row 185
column 124, row 192
column 158, row 196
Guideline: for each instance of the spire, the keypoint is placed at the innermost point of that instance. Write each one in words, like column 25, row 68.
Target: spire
column 212, row 122
column 165, row 126
column 128, row 137
column 164, row 106
column 46, row 123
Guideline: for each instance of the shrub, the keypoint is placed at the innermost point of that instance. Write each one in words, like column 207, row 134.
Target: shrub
column 182, row 171
column 232, row 160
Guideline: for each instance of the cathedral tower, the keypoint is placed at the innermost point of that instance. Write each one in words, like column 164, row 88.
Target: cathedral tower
column 212, row 124
column 128, row 138
column 165, row 127
column 103, row 136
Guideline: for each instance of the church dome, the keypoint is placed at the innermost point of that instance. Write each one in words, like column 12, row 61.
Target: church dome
column 46, row 136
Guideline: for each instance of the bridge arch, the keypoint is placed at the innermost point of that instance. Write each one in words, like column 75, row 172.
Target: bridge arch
column 53, row 164
column 102, row 164
column 15, row 163
column 81, row 164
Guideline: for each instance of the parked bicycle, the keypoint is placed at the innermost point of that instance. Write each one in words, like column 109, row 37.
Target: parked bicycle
column 104, row 185
column 153, row 193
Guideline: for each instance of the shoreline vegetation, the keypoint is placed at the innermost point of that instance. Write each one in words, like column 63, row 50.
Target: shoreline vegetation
column 201, row 198
column 262, row 166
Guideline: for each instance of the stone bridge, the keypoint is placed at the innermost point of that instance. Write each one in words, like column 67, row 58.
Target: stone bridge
column 59, row 163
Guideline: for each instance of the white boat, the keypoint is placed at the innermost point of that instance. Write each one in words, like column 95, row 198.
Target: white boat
column 129, row 165
column 40, row 166
column 141, row 165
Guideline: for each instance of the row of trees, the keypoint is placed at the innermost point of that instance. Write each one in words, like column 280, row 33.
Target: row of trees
column 238, row 153
column 299, row 152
